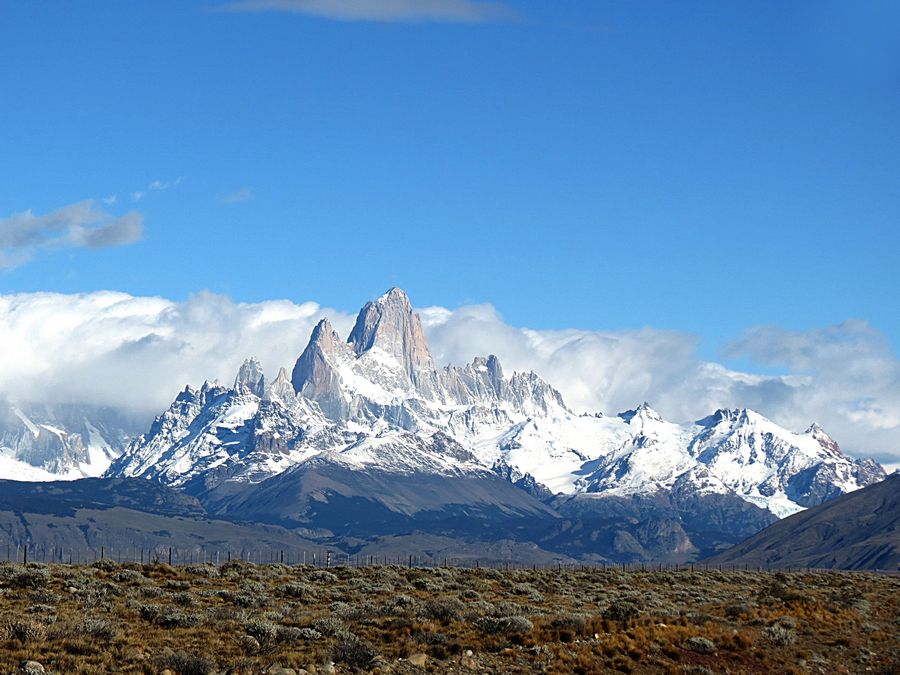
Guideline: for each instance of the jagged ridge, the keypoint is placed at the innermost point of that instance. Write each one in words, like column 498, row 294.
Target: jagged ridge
column 345, row 398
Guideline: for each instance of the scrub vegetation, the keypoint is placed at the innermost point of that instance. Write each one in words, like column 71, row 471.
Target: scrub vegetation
column 246, row 618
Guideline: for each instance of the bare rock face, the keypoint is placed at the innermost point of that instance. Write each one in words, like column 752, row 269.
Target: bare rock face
column 315, row 375
column 390, row 324
column 250, row 378
column 281, row 388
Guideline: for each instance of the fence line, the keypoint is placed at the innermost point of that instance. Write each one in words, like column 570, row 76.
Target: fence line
column 323, row 557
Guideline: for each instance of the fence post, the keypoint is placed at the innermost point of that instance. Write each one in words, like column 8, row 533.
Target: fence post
column 170, row 555
column 25, row 562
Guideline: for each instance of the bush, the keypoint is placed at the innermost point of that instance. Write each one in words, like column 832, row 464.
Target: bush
column 621, row 610
column 529, row 591
column 98, row 629
column 576, row 624
column 329, row 625
column 129, row 577
column 105, row 564
column 780, row 636
column 700, row 645
column 249, row 644
column 297, row 589
column 353, row 652
column 443, row 609
column 323, row 577
column 263, row 631
column 738, row 610
column 185, row 663
column 206, row 570
column 30, row 577
column 27, row 630
column 168, row 617
column 508, row 625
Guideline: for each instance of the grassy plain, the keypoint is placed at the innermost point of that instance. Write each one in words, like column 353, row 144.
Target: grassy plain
column 245, row 618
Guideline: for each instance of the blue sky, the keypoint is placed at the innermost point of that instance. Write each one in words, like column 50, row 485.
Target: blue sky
column 698, row 166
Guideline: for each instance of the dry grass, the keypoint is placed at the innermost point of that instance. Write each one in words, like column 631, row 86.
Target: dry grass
column 256, row 618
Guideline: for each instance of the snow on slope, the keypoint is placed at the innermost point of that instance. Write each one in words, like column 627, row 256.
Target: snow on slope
column 45, row 443
column 378, row 401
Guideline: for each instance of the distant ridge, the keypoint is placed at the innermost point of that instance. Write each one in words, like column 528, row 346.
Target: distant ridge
column 857, row 531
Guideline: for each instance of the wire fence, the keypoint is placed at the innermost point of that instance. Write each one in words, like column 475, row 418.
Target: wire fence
column 325, row 558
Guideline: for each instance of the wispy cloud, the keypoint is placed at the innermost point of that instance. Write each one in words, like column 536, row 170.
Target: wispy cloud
column 164, row 185
column 452, row 11
column 80, row 225
column 154, row 186
column 241, row 195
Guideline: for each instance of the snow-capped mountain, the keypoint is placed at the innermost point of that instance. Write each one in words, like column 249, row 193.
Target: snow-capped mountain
column 43, row 442
column 378, row 403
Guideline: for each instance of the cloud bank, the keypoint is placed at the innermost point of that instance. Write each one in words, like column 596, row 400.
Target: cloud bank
column 114, row 349
column 80, row 225
column 454, row 11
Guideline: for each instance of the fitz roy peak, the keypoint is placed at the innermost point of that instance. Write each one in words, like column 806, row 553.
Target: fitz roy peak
column 375, row 415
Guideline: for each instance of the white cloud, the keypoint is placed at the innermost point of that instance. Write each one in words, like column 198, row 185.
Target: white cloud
column 115, row 349
column 80, row 225
column 457, row 11
column 153, row 186
column 242, row 195
column 111, row 348
column 164, row 185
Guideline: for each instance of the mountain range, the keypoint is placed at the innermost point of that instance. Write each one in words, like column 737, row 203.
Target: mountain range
column 369, row 437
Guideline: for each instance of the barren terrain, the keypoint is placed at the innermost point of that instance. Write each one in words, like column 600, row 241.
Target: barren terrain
column 245, row 618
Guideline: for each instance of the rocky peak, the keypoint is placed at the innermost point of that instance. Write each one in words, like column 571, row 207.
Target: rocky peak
column 324, row 337
column 826, row 441
column 390, row 324
column 314, row 376
column 250, row 378
column 643, row 413
column 281, row 388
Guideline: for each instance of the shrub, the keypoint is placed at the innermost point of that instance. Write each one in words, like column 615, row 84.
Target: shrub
column 168, row 617
column 428, row 638
column 297, row 589
column 98, row 629
column 780, row 636
column 575, row 624
column 621, row 610
column 26, row 630
column 700, row 645
column 529, row 591
column 309, row 634
column 353, row 652
column 105, row 565
column 264, row 631
column 30, row 577
column 129, row 577
column 249, row 644
column 206, row 570
column 508, row 625
column 737, row 610
column 443, row 609
column 329, row 625
column 185, row 663
column 152, row 592
column 323, row 577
